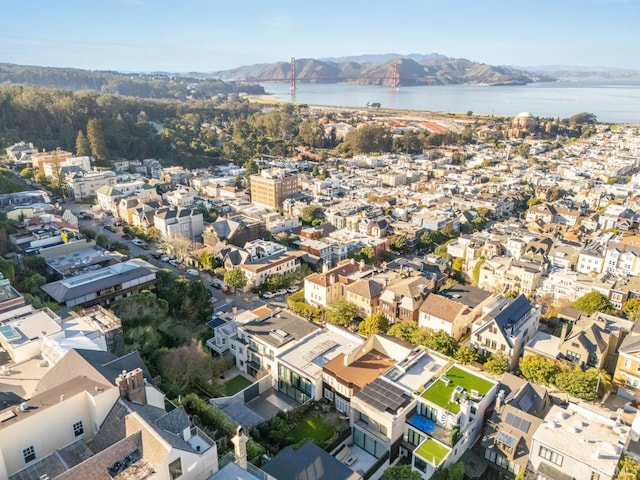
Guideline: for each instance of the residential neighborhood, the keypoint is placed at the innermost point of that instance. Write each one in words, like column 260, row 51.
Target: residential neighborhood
column 469, row 310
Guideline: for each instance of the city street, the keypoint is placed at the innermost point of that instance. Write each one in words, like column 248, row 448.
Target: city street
column 219, row 300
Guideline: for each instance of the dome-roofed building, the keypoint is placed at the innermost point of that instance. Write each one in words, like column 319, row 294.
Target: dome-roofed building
column 522, row 124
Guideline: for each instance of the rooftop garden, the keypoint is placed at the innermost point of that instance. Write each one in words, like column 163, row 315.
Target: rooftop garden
column 440, row 392
column 432, row 451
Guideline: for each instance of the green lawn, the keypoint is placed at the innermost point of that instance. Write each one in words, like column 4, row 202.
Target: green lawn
column 432, row 451
column 236, row 384
column 440, row 393
column 316, row 429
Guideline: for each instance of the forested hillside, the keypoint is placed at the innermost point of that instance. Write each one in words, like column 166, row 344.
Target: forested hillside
column 132, row 127
column 157, row 85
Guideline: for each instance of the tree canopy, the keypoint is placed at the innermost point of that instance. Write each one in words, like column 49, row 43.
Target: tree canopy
column 593, row 302
column 235, row 278
column 374, row 323
column 341, row 312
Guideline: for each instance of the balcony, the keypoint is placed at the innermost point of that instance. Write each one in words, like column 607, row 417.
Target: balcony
column 200, row 441
column 211, row 343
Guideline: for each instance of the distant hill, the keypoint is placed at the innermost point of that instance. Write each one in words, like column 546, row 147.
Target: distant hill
column 414, row 69
column 145, row 85
column 581, row 72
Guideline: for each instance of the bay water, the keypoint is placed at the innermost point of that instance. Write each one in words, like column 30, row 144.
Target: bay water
column 610, row 101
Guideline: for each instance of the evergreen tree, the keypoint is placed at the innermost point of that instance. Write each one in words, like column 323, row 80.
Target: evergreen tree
column 95, row 136
column 83, row 147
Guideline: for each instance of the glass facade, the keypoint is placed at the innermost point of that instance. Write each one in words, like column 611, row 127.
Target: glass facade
column 368, row 444
column 294, row 385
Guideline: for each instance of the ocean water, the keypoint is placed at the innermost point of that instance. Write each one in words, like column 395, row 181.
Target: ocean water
column 612, row 102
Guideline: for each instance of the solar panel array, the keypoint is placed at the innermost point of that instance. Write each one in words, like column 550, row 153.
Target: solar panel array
column 518, row 422
column 382, row 395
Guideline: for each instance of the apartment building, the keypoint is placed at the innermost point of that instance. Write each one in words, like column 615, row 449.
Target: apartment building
column 271, row 187
column 347, row 373
column 300, row 366
column 322, row 289
column 449, row 418
column 506, row 326
column 576, row 443
column 259, row 341
column 172, row 222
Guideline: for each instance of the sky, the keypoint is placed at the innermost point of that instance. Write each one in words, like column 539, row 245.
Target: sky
column 209, row 35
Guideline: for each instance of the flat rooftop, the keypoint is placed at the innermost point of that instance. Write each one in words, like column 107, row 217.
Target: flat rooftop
column 22, row 379
column 82, row 261
column 584, row 435
column 279, row 328
column 440, row 392
column 433, row 451
column 315, row 351
column 415, row 371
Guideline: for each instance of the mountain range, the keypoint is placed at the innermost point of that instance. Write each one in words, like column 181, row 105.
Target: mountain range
column 414, row 69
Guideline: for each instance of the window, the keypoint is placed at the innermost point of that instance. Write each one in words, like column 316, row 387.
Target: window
column 595, row 476
column 175, row 469
column 364, row 418
column 414, row 438
column 78, row 428
column 552, row 456
column 29, row 454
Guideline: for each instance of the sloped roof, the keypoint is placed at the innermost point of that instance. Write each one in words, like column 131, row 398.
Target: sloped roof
column 441, row 307
column 366, row 288
column 309, row 462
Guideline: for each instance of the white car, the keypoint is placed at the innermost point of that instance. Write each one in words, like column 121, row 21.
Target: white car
column 174, row 262
column 164, row 258
column 282, row 291
column 137, row 241
column 193, row 272
column 293, row 289
column 268, row 295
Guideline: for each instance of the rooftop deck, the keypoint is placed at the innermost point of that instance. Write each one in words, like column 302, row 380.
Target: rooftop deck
column 432, row 451
column 440, row 392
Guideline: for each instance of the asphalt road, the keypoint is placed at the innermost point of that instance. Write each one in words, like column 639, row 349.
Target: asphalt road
column 219, row 300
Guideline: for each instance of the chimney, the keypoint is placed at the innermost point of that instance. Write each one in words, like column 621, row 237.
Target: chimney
column 362, row 264
column 132, row 387
column 563, row 333
column 353, row 261
column 240, row 447
column 499, row 400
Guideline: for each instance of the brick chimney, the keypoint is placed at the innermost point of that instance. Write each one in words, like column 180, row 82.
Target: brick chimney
column 132, row 387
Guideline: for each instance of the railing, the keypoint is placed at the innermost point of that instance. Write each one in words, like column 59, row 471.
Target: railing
column 376, row 466
column 197, row 432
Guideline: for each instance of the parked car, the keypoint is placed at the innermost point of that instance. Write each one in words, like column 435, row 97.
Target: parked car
column 108, row 226
column 173, row 262
column 226, row 291
column 268, row 295
column 193, row 272
column 137, row 241
column 216, row 285
column 280, row 292
column 156, row 255
column 293, row 288
column 164, row 258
